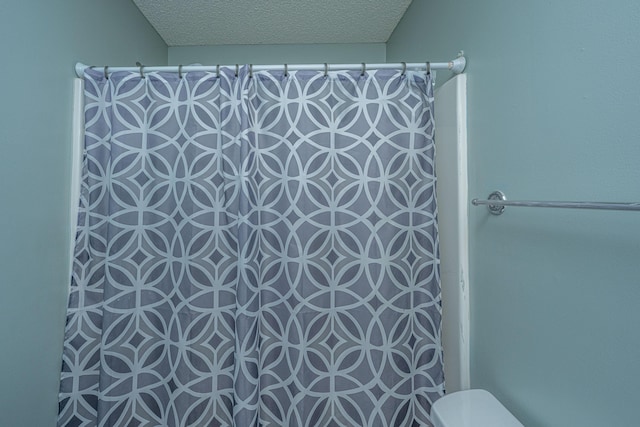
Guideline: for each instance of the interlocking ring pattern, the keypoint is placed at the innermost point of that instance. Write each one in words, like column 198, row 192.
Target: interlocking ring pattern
column 255, row 252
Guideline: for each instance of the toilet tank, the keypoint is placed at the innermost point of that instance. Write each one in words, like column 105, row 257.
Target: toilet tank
column 471, row 408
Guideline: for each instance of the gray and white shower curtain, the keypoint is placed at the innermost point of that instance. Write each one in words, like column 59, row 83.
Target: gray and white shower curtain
column 255, row 250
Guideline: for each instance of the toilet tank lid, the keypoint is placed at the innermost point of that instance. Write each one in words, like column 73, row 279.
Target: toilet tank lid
column 471, row 408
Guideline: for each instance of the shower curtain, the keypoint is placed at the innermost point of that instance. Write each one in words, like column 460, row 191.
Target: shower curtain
column 258, row 249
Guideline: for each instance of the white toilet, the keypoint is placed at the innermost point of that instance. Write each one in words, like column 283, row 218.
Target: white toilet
column 471, row 408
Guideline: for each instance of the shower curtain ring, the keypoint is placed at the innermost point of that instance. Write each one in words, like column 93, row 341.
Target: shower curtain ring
column 404, row 68
column 106, row 72
column 180, row 71
column 326, row 69
column 428, row 68
column 364, row 69
column 141, row 71
column 250, row 70
column 286, row 70
column 218, row 71
column 237, row 69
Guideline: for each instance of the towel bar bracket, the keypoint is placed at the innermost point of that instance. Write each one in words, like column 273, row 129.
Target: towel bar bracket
column 496, row 209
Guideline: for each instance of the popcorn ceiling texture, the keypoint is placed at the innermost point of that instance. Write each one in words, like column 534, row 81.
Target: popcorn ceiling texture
column 227, row 22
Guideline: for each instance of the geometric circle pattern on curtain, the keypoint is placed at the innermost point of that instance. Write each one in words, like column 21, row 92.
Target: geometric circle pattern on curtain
column 255, row 251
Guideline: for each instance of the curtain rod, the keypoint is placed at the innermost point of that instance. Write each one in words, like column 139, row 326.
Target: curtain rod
column 497, row 202
column 457, row 66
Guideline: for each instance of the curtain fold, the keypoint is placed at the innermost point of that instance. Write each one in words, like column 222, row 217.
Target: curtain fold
column 255, row 250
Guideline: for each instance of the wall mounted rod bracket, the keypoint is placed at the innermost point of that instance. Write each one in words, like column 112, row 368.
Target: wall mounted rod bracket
column 458, row 64
column 494, row 209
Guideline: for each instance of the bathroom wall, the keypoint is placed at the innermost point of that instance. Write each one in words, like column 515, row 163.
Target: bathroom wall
column 554, row 99
column 279, row 54
column 40, row 41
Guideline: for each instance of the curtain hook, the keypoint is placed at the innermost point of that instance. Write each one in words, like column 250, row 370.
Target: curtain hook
column 106, row 72
column 404, row 68
column 326, row 69
column 364, row 69
column 141, row 71
column 218, row 71
column 250, row 70
column 237, row 69
column 180, row 71
column 286, row 70
column 428, row 68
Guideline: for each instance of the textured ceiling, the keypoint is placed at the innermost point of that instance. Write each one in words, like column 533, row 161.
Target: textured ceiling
column 216, row 22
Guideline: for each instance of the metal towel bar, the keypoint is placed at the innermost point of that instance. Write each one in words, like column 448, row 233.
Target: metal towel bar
column 497, row 202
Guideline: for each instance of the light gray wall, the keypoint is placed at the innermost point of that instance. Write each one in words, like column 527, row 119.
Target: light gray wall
column 554, row 99
column 40, row 41
column 278, row 54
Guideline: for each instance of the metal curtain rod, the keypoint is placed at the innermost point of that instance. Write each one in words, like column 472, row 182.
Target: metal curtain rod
column 497, row 202
column 457, row 66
